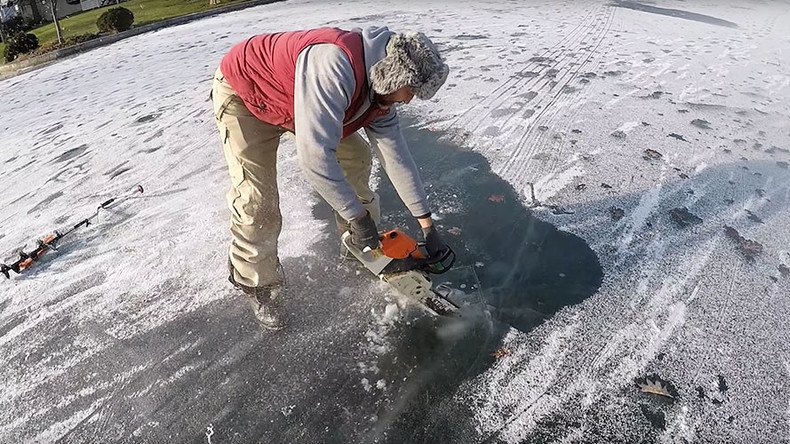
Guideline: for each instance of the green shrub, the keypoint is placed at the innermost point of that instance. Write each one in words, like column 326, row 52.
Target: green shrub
column 115, row 20
column 19, row 43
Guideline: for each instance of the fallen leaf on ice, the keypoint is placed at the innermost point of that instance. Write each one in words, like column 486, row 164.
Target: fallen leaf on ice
column 501, row 353
column 498, row 198
column 748, row 247
column 455, row 231
column 656, row 386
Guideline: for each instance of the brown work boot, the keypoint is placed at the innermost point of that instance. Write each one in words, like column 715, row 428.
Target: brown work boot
column 265, row 301
column 266, row 306
column 342, row 227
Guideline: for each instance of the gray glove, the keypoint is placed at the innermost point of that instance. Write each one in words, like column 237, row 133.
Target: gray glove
column 364, row 233
column 433, row 242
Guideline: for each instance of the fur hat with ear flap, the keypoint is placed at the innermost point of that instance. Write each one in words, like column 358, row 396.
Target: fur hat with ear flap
column 412, row 60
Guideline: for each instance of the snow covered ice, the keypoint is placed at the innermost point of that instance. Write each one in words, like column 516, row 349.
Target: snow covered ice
column 131, row 332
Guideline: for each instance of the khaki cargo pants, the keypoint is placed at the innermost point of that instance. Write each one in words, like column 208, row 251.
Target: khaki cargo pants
column 250, row 147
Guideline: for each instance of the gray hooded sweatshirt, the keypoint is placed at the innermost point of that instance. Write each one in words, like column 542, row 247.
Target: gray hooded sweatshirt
column 323, row 89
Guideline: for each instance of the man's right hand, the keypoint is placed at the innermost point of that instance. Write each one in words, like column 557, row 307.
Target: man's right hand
column 364, row 233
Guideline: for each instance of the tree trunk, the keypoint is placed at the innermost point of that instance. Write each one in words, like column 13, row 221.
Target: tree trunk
column 53, row 6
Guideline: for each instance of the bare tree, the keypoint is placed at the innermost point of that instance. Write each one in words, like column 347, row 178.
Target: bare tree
column 53, row 8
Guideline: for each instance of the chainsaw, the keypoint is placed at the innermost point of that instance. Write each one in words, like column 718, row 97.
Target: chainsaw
column 404, row 263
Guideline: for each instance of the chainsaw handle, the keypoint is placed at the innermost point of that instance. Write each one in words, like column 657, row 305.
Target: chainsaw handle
column 445, row 259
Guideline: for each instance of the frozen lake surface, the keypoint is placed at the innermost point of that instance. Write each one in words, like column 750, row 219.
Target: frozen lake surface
column 584, row 159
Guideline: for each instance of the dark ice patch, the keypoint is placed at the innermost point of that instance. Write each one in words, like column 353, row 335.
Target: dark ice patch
column 147, row 118
column 24, row 166
column 683, row 217
column 491, row 131
column 529, row 95
column 539, row 59
column 677, row 136
column 616, row 213
column 157, row 133
column 71, row 154
column 499, row 112
column 67, row 172
column 45, row 202
column 775, row 149
column 365, row 18
column 526, row 74
column 118, row 170
column 12, row 322
column 782, row 164
column 152, row 150
column 677, row 13
column 699, row 123
column 51, row 129
column 78, row 286
column 760, row 192
column 654, row 416
column 470, row 37
column 753, row 217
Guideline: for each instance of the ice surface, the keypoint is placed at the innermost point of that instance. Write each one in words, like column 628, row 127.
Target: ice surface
column 130, row 333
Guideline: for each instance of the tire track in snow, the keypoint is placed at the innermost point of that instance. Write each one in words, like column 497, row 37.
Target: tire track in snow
column 550, row 142
column 517, row 165
column 495, row 97
column 566, row 53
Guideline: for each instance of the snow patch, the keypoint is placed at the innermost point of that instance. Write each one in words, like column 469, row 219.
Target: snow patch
column 552, row 183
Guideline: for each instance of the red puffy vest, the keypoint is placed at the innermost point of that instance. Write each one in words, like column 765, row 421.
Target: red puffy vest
column 262, row 71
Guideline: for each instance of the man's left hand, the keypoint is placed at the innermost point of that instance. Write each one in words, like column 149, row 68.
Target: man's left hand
column 433, row 241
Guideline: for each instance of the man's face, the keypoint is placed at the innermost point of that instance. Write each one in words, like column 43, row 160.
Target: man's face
column 402, row 95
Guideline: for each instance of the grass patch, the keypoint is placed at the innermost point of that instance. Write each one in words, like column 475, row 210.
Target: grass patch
column 145, row 12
